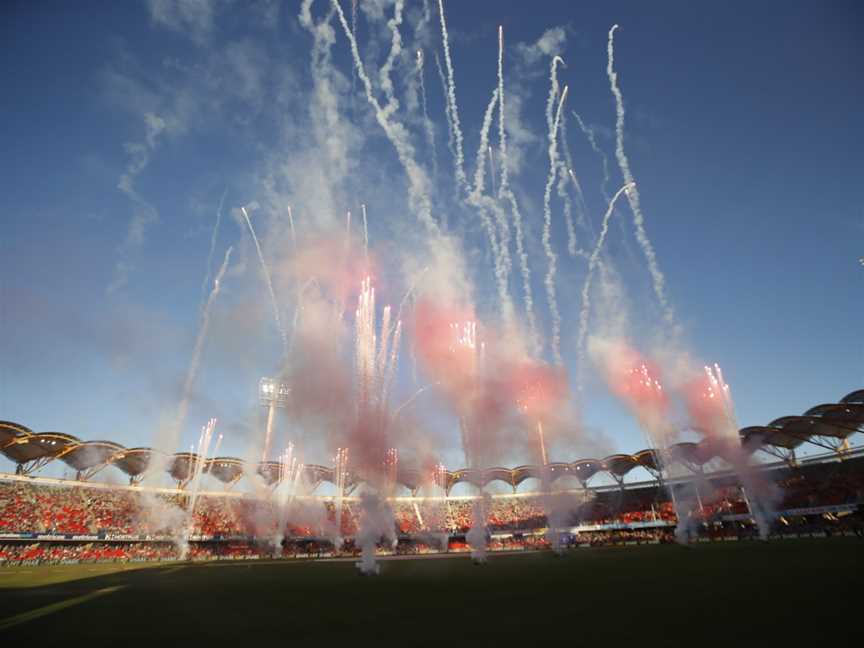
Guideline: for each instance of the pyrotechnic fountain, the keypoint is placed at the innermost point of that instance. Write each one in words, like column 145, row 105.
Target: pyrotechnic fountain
column 468, row 356
column 520, row 380
column 375, row 361
column 391, row 470
column 340, row 475
column 464, row 343
column 197, row 466
column 709, row 402
column 439, row 479
column 285, row 491
column 636, row 381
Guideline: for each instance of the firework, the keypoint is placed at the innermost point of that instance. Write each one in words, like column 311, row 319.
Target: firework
column 197, row 464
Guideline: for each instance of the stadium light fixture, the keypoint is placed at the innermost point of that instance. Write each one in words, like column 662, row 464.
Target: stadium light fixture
column 272, row 393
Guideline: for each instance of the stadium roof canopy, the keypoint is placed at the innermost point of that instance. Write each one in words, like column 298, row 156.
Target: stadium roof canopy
column 270, row 472
column 828, row 425
column 515, row 476
column 88, row 455
column 619, row 465
column 409, row 478
column 687, row 452
column 39, row 447
column 805, row 427
column 226, row 469
column 585, row 469
column 762, row 435
column 559, row 469
column 316, row 474
column 133, row 461
column 854, row 397
column 182, row 465
column 10, row 431
column 647, row 459
column 844, row 415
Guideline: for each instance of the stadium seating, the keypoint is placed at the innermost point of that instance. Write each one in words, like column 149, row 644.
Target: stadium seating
column 53, row 521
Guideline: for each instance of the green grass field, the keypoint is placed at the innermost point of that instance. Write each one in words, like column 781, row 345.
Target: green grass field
column 792, row 592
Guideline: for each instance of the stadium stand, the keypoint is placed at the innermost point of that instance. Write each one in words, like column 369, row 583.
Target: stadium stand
column 51, row 520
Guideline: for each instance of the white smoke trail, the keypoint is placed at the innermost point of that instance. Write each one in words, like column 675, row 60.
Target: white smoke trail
column 427, row 122
column 384, row 79
column 492, row 171
column 552, row 257
column 461, row 178
column 592, row 140
column 398, row 136
column 451, row 138
column 347, row 236
column 353, row 31
column 144, row 214
column 554, row 90
column 578, row 186
column 291, row 226
column 483, row 147
column 633, row 195
column 412, row 398
column 381, row 359
column 565, row 175
column 170, row 445
column 331, row 132
column 390, row 371
column 502, row 132
column 410, row 292
column 506, row 192
column 593, row 261
column 563, row 194
column 591, row 136
column 365, row 236
column 477, row 197
column 269, row 282
column 213, row 238
column 582, row 207
column 298, row 308
column 484, row 204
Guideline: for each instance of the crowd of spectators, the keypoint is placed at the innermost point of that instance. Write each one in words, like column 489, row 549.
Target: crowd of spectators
column 242, row 521
column 80, row 510
column 20, row 552
column 54, row 509
column 57, row 552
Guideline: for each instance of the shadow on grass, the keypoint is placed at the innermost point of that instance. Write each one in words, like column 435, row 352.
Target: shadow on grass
column 710, row 594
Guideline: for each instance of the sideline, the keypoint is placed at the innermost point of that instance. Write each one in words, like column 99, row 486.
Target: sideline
column 24, row 617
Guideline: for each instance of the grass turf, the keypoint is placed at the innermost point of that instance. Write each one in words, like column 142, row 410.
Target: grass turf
column 736, row 593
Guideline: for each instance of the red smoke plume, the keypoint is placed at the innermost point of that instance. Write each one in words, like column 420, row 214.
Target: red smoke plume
column 486, row 384
column 634, row 379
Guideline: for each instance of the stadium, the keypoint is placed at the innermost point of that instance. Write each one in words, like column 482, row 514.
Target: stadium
column 94, row 533
column 46, row 520
column 490, row 411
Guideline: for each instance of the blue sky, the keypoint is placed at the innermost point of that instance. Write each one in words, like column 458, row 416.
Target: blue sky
column 742, row 131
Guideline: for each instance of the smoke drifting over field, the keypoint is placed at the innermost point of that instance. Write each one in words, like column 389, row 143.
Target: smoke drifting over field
column 440, row 268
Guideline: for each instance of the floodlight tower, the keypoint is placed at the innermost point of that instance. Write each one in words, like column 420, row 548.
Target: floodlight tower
column 272, row 394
